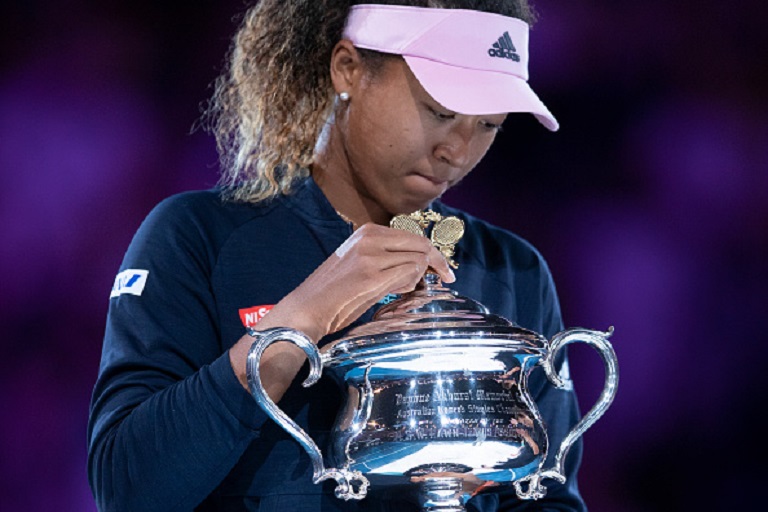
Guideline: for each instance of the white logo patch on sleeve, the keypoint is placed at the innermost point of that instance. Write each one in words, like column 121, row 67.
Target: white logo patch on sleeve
column 130, row 281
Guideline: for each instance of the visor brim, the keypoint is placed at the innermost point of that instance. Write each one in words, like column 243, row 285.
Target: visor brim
column 478, row 92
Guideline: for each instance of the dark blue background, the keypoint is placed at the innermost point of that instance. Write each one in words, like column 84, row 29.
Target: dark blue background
column 651, row 205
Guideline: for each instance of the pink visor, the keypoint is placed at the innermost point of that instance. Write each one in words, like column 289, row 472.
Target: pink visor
column 470, row 62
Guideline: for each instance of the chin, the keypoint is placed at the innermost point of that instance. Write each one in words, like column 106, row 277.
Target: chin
column 413, row 205
column 420, row 196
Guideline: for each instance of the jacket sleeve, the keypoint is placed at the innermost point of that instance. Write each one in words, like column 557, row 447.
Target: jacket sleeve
column 168, row 417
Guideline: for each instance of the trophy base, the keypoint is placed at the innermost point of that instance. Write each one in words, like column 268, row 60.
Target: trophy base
column 441, row 494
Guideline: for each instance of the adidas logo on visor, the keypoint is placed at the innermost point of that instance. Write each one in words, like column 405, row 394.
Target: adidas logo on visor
column 504, row 49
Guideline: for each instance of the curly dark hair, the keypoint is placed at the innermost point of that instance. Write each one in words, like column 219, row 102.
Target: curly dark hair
column 272, row 101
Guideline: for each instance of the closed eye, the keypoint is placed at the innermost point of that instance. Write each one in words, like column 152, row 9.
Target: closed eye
column 442, row 116
column 491, row 126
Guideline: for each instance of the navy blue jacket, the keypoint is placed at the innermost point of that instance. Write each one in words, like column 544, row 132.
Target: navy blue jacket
column 172, row 429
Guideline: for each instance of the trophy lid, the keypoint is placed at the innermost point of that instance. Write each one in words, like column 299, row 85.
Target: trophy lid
column 433, row 316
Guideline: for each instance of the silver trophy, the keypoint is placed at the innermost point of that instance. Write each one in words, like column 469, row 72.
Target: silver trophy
column 437, row 393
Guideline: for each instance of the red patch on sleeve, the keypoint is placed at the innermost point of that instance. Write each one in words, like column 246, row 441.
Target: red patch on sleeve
column 251, row 316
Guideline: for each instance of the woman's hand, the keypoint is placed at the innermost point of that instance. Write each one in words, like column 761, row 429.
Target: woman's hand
column 373, row 262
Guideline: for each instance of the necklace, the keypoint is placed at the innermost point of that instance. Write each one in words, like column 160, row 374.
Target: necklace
column 347, row 220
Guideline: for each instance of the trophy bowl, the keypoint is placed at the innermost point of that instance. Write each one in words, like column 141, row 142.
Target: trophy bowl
column 437, row 392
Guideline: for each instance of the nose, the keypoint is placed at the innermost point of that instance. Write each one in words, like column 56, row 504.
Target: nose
column 454, row 147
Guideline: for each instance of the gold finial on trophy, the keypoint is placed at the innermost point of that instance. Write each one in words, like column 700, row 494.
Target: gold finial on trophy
column 410, row 223
column 446, row 231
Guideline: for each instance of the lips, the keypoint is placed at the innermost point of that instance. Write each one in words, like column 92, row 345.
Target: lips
column 430, row 186
column 434, row 179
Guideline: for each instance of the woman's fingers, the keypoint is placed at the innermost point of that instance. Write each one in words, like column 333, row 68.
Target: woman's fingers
column 395, row 257
column 371, row 240
column 373, row 262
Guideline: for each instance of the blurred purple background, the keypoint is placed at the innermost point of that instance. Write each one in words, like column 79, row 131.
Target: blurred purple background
column 651, row 205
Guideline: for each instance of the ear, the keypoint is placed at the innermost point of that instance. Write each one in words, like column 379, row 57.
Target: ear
column 346, row 67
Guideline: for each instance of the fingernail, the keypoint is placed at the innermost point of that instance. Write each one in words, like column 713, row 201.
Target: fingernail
column 450, row 273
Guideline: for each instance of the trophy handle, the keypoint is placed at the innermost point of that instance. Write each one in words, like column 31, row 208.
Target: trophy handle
column 599, row 341
column 351, row 484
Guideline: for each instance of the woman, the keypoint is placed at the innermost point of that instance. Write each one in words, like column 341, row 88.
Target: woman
column 331, row 120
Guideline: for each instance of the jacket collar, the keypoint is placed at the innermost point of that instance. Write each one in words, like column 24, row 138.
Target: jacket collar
column 309, row 201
